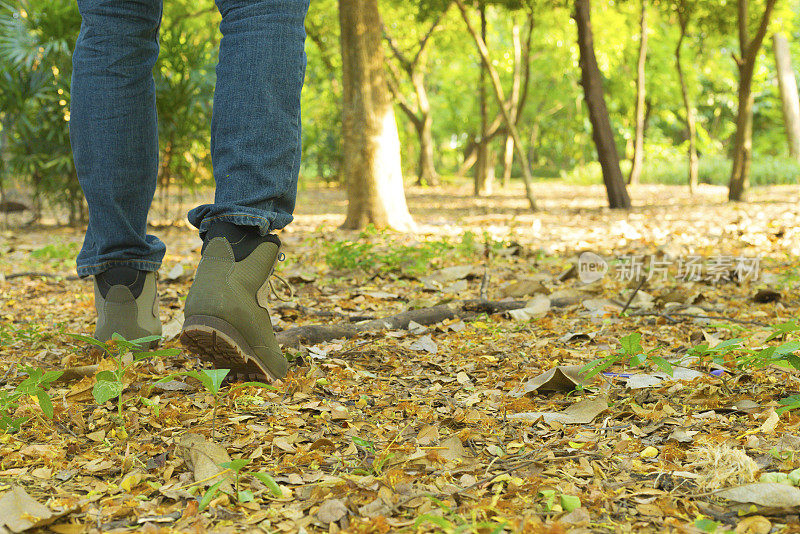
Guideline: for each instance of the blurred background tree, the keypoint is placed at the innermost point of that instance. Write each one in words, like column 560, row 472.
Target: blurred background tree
column 449, row 122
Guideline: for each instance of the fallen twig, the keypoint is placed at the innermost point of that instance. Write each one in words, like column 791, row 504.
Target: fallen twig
column 39, row 274
column 76, row 373
column 630, row 299
column 671, row 317
column 487, row 256
column 324, row 313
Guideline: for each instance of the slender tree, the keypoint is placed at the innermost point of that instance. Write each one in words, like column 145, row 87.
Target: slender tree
column 592, row 82
column 483, row 178
column 371, row 145
column 515, row 105
column 746, row 63
column 787, row 83
column 418, row 112
column 684, row 16
column 638, row 145
column 497, row 87
column 516, row 88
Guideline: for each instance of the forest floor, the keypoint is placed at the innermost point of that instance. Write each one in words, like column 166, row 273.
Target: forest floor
column 474, row 416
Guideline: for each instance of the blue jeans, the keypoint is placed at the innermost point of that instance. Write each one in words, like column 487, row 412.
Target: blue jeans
column 255, row 126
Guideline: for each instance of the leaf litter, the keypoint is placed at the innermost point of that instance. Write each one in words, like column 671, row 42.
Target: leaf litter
column 474, row 419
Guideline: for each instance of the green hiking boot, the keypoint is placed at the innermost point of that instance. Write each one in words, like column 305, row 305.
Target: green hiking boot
column 225, row 325
column 120, row 310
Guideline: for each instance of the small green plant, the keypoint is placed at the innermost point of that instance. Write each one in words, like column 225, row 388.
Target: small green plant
column 630, row 353
column 351, row 255
column 391, row 256
column 56, row 251
column 707, row 525
column 211, row 379
column 241, row 496
column 236, row 467
column 733, row 352
column 379, row 459
column 125, row 354
column 36, row 385
column 451, row 522
column 154, row 406
column 32, row 335
column 792, row 478
column 567, row 503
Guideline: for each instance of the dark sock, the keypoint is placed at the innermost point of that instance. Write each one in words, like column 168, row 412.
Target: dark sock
column 121, row 276
column 243, row 239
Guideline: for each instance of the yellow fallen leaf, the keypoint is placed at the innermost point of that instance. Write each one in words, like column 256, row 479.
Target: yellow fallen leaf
column 772, row 421
column 131, row 481
column 649, row 452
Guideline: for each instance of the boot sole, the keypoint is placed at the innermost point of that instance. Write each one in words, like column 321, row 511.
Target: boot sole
column 218, row 342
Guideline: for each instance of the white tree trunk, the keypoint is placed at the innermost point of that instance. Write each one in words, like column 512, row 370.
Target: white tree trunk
column 788, row 87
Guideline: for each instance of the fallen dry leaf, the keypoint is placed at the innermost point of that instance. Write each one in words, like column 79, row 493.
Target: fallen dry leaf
column 582, row 412
column 20, row 512
column 331, row 511
column 561, row 378
column 769, row 494
column 204, row 457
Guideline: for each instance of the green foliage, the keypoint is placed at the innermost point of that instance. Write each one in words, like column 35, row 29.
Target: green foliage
column 109, row 384
column 449, row 521
column 209, row 495
column 630, row 354
column 707, row 525
column 241, row 496
column 30, row 334
column 551, row 497
column 35, row 69
column 350, row 255
column 672, row 168
column 388, row 256
column 270, row 483
column 56, row 251
column 37, row 39
column 36, row 385
column 734, row 353
column 184, row 77
column 212, row 380
column 379, row 461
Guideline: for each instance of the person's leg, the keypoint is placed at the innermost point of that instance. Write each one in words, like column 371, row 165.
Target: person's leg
column 114, row 138
column 255, row 128
column 114, row 133
column 255, row 148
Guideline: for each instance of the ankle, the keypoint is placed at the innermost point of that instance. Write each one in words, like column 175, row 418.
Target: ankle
column 129, row 277
column 243, row 239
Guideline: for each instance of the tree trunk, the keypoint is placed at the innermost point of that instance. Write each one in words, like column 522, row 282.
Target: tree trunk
column 508, row 154
column 482, row 185
column 420, row 112
column 371, row 146
column 426, row 171
column 743, row 147
column 788, row 87
column 638, row 144
column 498, row 93
column 592, row 82
column 689, row 109
column 4, row 126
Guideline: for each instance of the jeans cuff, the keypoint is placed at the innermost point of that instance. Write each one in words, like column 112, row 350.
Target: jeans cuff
column 141, row 265
column 266, row 221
